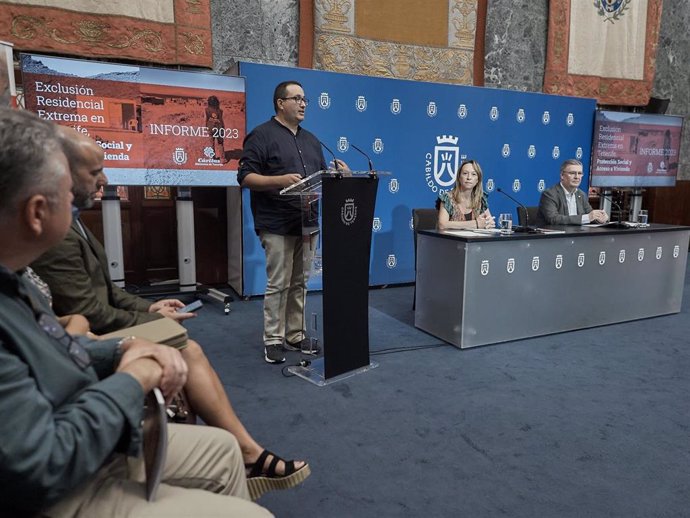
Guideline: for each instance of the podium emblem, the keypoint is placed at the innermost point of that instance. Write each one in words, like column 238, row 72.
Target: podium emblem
column 510, row 265
column 578, row 153
column 179, row 156
column 621, row 256
column 535, row 263
column 541, row 185
column 505, row 152
column 556, row 152
column 490, row 185
column 484, row 268
column 493, row 113
column 516, row 185
column 559, row 261
column 376, row 226
column 348, row 212
column 520, row 116
column 462, row 111
column 431, row 109
column 676, row 252
column 580, row 260
column 658, row 252
column 343, row 144
column 377, row 146
column 531, row 151
column 393, row 186
column 446, row 160
column 396, row 107
column 640, row 254
column 391, row 261
column 570, row 119
column 361, row 103
column 324, row 101
column 602, row 258
column 546, row 117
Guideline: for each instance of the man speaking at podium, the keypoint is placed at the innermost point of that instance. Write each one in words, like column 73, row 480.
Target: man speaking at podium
column 277, row 154
column 565, row 203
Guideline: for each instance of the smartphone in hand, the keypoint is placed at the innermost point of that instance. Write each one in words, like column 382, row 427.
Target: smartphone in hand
column 193, row 306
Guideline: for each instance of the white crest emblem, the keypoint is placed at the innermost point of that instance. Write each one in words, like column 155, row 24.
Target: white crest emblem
column 621, row 256
column 559, row 261
column 343, row 144
column 658, row 252
column 462, row 111
column 580, row 260
column 391, row 261
column 578, row 153
column 396, row 107
column 493, row 113
column 556, row 152
column 541, row 185
column 535, row 263
column 490, row 185
column 662, row 165
column 348, row 212
column 393, row 186
column 602, row 258
column 650, row 167
column 376, row 225
column 484, row 268
column 531, row 151
column 361, row 103
column 520, row 115
column 431, row 109
column 324, row 101
column 516, row 185
column 570, row 119
column 510, row 265
column 676, row 251
column 640, row 254
column 179, row 156
column 505, row 152
column 377, row 146
column 546, row 117
column 446, row 160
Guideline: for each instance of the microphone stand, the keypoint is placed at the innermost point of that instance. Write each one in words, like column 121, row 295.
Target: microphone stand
column 335, row 161
column 619, row 223
column 371, row 165
column 520, row 228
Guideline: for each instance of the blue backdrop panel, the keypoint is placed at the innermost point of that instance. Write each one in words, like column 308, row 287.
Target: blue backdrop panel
column 419, row 132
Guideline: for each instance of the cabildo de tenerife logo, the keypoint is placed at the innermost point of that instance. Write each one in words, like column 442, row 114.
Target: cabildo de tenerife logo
column 377, row 146
column 440, row 166
column 505, row 150
column 324, row 101
column 520, row 115
column 179, row 156
column 431, row 109
column 391, row 261
column 361, row 103
column 343, row 144
column 376, row 225
column 546, row 117
column 396, row 107
column 348, row 212
column 493, row 113
column 462, row 111
column 393, row 186
column 556, row 152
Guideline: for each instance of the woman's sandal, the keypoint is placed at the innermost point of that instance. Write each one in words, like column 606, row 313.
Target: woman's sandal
column 260, row 480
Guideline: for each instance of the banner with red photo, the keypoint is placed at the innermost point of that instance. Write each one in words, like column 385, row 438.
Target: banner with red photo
column 156, row 127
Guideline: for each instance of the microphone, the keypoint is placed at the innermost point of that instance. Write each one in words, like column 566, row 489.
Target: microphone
column 335, row 162
column 619, row 223
column 371, row 165
column 525, row 227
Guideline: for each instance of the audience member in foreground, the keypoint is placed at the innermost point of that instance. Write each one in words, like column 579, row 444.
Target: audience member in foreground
column 72, row 407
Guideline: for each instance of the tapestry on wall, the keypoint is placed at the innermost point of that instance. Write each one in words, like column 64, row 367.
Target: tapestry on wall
column 604, row 49
column 435, row 40
column 167, row 31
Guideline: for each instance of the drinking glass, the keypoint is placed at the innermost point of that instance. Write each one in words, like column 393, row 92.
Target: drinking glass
column 643, row 217
column 505, row 221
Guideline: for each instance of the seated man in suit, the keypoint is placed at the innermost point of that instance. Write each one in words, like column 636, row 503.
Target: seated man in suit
column 76, row 272
column 72, row 407
column 565, row 203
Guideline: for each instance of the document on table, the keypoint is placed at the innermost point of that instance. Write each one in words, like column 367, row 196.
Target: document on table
column 473, row 233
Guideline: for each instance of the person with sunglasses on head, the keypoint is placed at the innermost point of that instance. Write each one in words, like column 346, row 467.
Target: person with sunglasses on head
column 277, row 154
column 565, row 203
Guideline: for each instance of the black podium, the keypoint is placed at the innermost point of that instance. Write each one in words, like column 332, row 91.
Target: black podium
column 337, row 217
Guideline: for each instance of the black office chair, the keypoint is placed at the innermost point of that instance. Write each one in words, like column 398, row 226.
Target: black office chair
column 529, row 218
column 422, row 219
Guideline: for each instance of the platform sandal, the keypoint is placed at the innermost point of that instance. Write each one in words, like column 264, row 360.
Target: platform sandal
column 260, row 479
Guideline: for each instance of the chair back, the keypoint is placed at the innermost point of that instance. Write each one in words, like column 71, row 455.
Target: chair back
column 529, row 218
column 423, row 219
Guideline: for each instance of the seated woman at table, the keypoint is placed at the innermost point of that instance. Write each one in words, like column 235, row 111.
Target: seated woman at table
column 465, row 206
